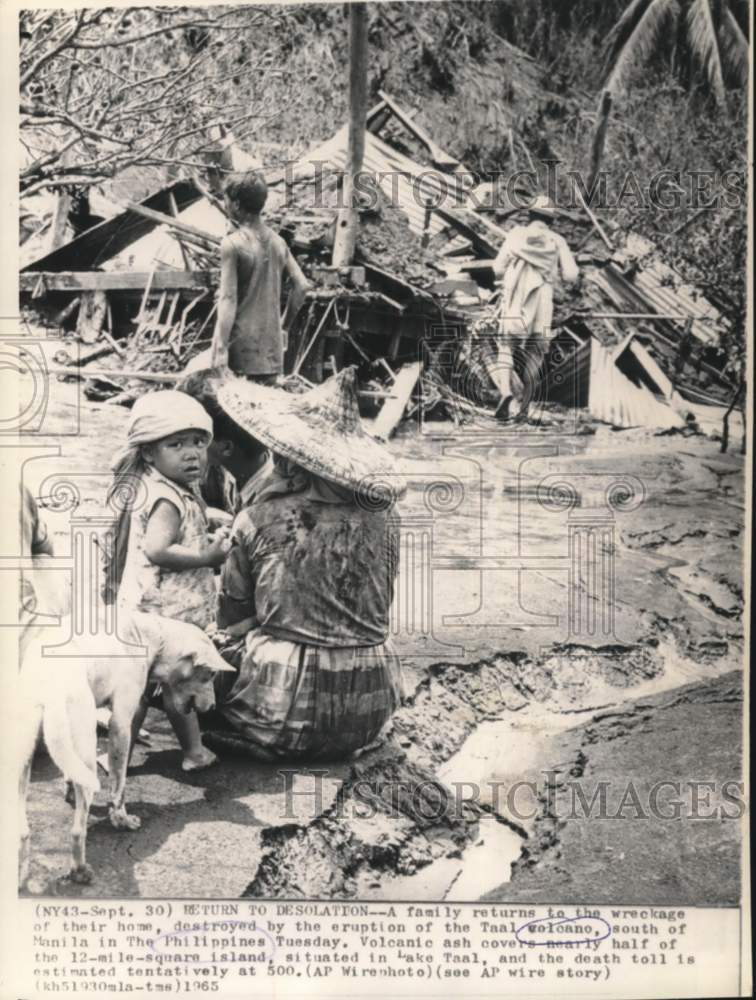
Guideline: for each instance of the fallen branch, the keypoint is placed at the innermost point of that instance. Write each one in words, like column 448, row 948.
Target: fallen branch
column 594, row 220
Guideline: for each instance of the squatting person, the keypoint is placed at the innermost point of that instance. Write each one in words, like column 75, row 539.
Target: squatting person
column 309, row 581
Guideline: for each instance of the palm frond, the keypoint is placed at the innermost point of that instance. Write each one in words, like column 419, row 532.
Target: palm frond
column 622, row 29
column 704, row 44
column 741, row 10
column 734, row 49
column 641, row 42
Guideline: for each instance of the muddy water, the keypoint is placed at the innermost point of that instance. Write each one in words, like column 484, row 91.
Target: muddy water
column 501, row 753
column 664, row 577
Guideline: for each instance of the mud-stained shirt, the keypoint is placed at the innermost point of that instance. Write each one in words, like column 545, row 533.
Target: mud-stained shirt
column 311, row 572
column 256, row 344
column 188, row 594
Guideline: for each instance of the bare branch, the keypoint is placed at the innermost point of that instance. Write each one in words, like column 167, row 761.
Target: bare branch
column 163, row 30
column 47, row 56
column 56, row 115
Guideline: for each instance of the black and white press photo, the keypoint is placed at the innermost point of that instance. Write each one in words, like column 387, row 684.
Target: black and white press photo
column 379, row 435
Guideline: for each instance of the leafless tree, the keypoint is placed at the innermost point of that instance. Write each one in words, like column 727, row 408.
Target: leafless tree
column 105, row 89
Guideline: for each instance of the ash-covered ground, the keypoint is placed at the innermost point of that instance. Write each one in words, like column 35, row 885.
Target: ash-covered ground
column 569, row 614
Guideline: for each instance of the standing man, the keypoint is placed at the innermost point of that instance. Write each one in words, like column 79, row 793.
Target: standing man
column 249, row 332
column 528, row 264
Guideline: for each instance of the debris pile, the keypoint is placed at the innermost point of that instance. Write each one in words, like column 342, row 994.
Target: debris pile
column 416, row 312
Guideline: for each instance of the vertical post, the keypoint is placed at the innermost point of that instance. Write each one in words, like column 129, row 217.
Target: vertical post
column 348, row 219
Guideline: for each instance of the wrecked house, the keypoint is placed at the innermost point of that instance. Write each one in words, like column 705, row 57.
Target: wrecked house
column 416, row 310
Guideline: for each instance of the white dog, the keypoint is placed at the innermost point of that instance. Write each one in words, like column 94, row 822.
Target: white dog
column 61, row 696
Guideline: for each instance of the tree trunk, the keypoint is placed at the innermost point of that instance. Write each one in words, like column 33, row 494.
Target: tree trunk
column 726, row 418
column 599, row 137
column 348, row 217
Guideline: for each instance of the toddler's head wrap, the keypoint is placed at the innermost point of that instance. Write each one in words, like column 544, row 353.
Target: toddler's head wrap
column 154, row 416
column 160, row 414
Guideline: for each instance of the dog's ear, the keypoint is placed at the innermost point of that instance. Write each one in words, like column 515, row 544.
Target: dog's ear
column 208, row 656
column 186, row 647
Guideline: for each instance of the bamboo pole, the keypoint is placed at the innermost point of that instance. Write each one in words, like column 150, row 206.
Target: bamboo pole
column 348, row 218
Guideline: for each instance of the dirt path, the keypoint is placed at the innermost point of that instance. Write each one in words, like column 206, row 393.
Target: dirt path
column 504, row 684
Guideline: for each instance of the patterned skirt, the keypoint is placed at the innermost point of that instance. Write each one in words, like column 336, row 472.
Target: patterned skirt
column 292, row 700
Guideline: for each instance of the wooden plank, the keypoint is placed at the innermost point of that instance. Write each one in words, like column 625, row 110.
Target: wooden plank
column 120, row 281
column 161, row 219
column 393, row 409
column 377, row 276
column 441, row 159
column 622, row 315
column 62, row 357
column 477, row 265
column 113, row 373
column 175, row 213
column 480, row 244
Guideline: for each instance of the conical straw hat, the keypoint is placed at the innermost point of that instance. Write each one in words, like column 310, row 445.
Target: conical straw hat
column 320, row 430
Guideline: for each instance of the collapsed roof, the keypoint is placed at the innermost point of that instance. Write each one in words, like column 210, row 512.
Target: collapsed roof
column 427, row 238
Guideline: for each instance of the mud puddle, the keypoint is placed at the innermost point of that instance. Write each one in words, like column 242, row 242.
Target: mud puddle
column 442, row 810
column 465, row 877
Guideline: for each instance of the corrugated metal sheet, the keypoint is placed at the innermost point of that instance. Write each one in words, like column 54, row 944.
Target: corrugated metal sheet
column 614, row 399
column 405, row 183
column 662, row 288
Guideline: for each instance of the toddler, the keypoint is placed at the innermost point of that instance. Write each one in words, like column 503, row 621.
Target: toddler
column 164, row 556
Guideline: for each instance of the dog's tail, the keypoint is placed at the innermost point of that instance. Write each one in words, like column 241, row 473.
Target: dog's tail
column 56, row 727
